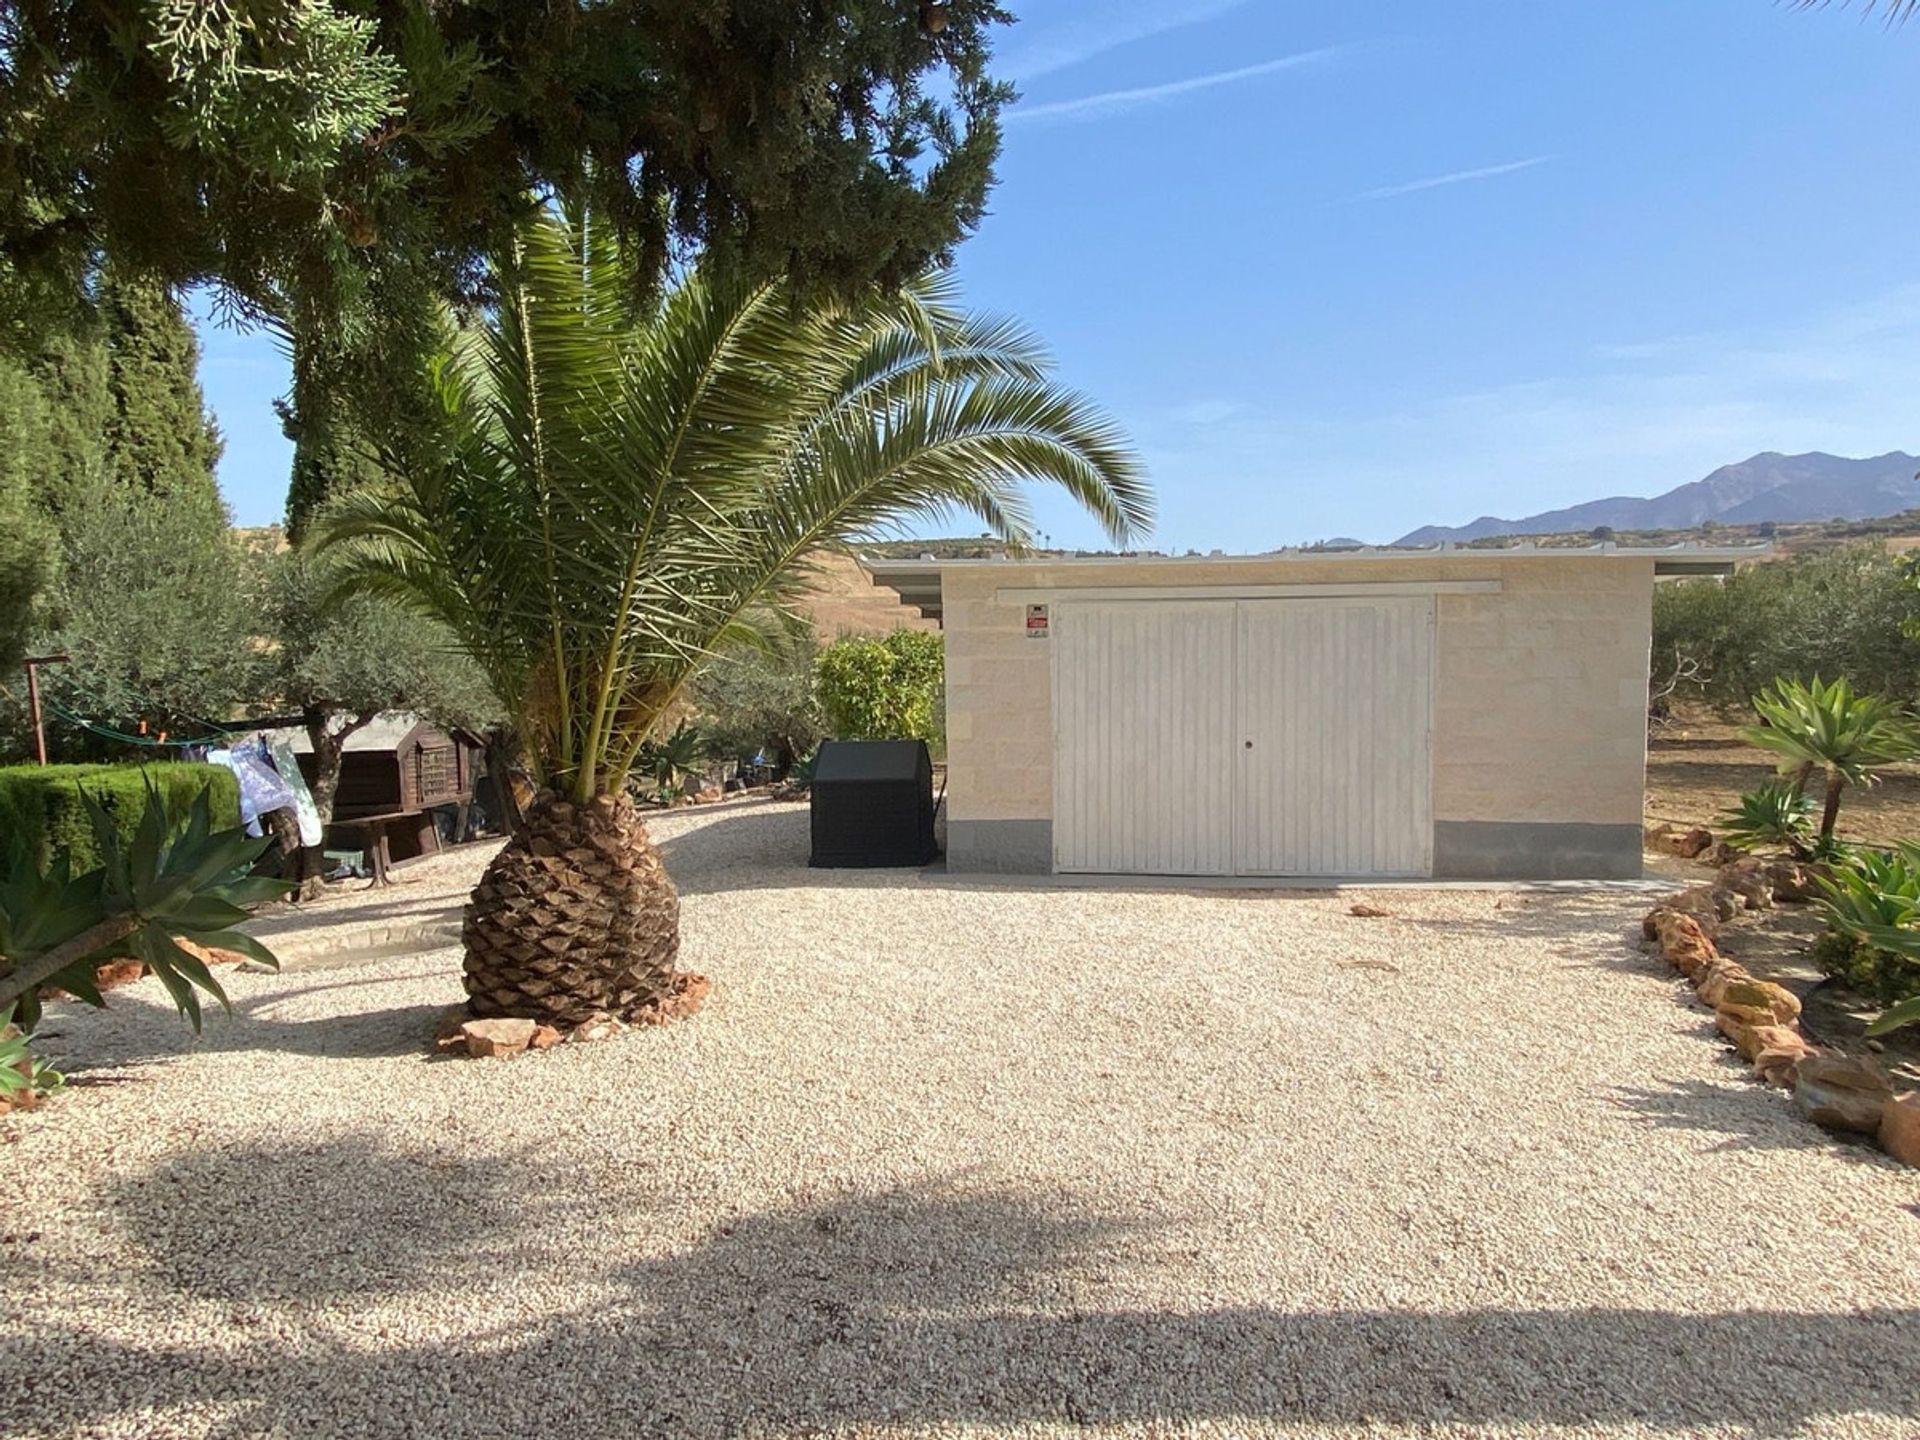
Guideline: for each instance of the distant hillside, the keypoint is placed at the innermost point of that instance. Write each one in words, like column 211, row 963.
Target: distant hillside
column 1769, row 487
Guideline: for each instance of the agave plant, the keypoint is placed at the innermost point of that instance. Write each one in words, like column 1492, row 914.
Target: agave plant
column 1829, row 728
column 1775, row 814
column 176, row 882
column 1871, row 906
column 618, row 497
column 25, row 1078
column 669, row 760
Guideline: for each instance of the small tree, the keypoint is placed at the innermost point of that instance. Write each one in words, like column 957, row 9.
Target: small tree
column 889, row 689
column 1824, row 727
column 761, row 699
column 342, row 665
column 152, row 604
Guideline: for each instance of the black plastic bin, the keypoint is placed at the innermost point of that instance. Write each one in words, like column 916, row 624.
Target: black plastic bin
column 873, row 805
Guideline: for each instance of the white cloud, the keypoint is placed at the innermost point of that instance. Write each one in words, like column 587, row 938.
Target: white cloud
column 1108, row 27
column 1208, row 412
column 1117, row 102
column 1452, row 177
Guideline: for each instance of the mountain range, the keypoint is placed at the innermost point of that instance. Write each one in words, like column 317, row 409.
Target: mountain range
column 1770, row 486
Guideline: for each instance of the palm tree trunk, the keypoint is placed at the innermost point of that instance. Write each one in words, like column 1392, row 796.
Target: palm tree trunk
column 1801, row 776
column 1836, row 782
column 575, row 917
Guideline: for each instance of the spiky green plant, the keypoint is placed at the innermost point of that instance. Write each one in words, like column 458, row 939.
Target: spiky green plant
column 1871, row 906
column 175, row 882
column 619, row 497
column 668, row 760
column 1827, row 727
column 1774, row 814
column 24, row 1076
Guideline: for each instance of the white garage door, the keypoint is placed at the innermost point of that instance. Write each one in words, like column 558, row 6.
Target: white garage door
column 1254, row 737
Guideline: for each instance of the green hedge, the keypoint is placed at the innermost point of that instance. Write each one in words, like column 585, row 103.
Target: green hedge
column 42, row 802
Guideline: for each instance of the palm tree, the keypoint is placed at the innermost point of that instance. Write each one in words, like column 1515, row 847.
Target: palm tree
column 1831, row 729
column 619, row 496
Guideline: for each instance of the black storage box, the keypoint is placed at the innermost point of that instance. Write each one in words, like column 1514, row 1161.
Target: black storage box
column 873, row 804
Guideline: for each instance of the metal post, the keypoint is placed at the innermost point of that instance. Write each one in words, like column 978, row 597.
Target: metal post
column 34, row 662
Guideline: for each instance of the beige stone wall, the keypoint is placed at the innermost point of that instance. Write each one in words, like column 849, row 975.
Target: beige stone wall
column 1540, row 689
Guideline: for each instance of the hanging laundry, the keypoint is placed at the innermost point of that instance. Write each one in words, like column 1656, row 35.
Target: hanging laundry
column 261, row 788
column 280, row 750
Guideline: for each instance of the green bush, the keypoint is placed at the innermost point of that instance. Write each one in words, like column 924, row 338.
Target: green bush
column 1839, row 611
column 41, row 803
column 890, row 689
column 1871, row 906
column 757, row 701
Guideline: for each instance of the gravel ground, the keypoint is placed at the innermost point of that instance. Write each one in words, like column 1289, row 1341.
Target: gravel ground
column 958, row 1159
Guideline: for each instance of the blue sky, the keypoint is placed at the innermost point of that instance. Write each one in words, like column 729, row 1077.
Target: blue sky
column 1345, row 270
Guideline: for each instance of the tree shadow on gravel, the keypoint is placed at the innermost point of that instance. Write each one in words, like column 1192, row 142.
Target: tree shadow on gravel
column 1729, row 1110
column 141, row 1026
column 945, row 1305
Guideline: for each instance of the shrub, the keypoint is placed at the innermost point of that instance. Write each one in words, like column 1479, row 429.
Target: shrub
column 1843, row 611
column 890, row 689
column 761, row 700
column 41, row 803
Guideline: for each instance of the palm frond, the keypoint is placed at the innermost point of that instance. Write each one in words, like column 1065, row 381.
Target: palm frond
column 618, row 495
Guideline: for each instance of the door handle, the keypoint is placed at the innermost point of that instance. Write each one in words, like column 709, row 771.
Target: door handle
column 1249, row 744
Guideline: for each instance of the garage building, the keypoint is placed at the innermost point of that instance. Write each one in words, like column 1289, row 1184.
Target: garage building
column 1453, row 714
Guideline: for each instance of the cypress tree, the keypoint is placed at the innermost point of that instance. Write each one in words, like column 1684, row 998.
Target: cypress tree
column 150, row 593
column 160, row 441
column 25, row 459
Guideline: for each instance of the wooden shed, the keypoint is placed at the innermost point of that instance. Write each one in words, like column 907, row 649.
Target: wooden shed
column 400, row 765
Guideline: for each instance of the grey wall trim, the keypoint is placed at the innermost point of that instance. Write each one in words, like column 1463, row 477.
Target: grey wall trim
column 1007, row 847
column 1521, row 850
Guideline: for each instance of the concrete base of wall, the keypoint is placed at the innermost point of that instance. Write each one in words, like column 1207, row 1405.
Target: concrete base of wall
column 1462, row 850
column 1002, row 847
column 1515, row 850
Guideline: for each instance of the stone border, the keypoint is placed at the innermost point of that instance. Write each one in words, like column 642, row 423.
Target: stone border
column 1843, row 1093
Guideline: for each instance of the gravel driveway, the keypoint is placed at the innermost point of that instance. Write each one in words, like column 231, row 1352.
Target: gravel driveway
column 945, row 1158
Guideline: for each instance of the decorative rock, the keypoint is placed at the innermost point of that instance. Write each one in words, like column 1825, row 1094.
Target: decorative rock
column 1684, row 942
column 1754, row 1039
column 545, row 1037
column 1368, row 912
column 1841, row 1093
column 595, row 1027
column 498, row 1038
column 1657, row 837
column 1778, row 1059
column 1748, row 878
column 1900, row 1128
column 1793, row 882
column 1693, row 844
column 1777, row 1004
column 1711, row 983
column 1721, row 853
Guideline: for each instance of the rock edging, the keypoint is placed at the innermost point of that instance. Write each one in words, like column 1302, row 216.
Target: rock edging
column 1842, row 1093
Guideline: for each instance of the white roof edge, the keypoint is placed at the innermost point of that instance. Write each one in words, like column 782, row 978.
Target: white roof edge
column 877, row 565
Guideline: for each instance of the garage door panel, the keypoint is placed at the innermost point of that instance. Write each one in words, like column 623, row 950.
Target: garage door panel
column 1335, row 698
column 1144, row 715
